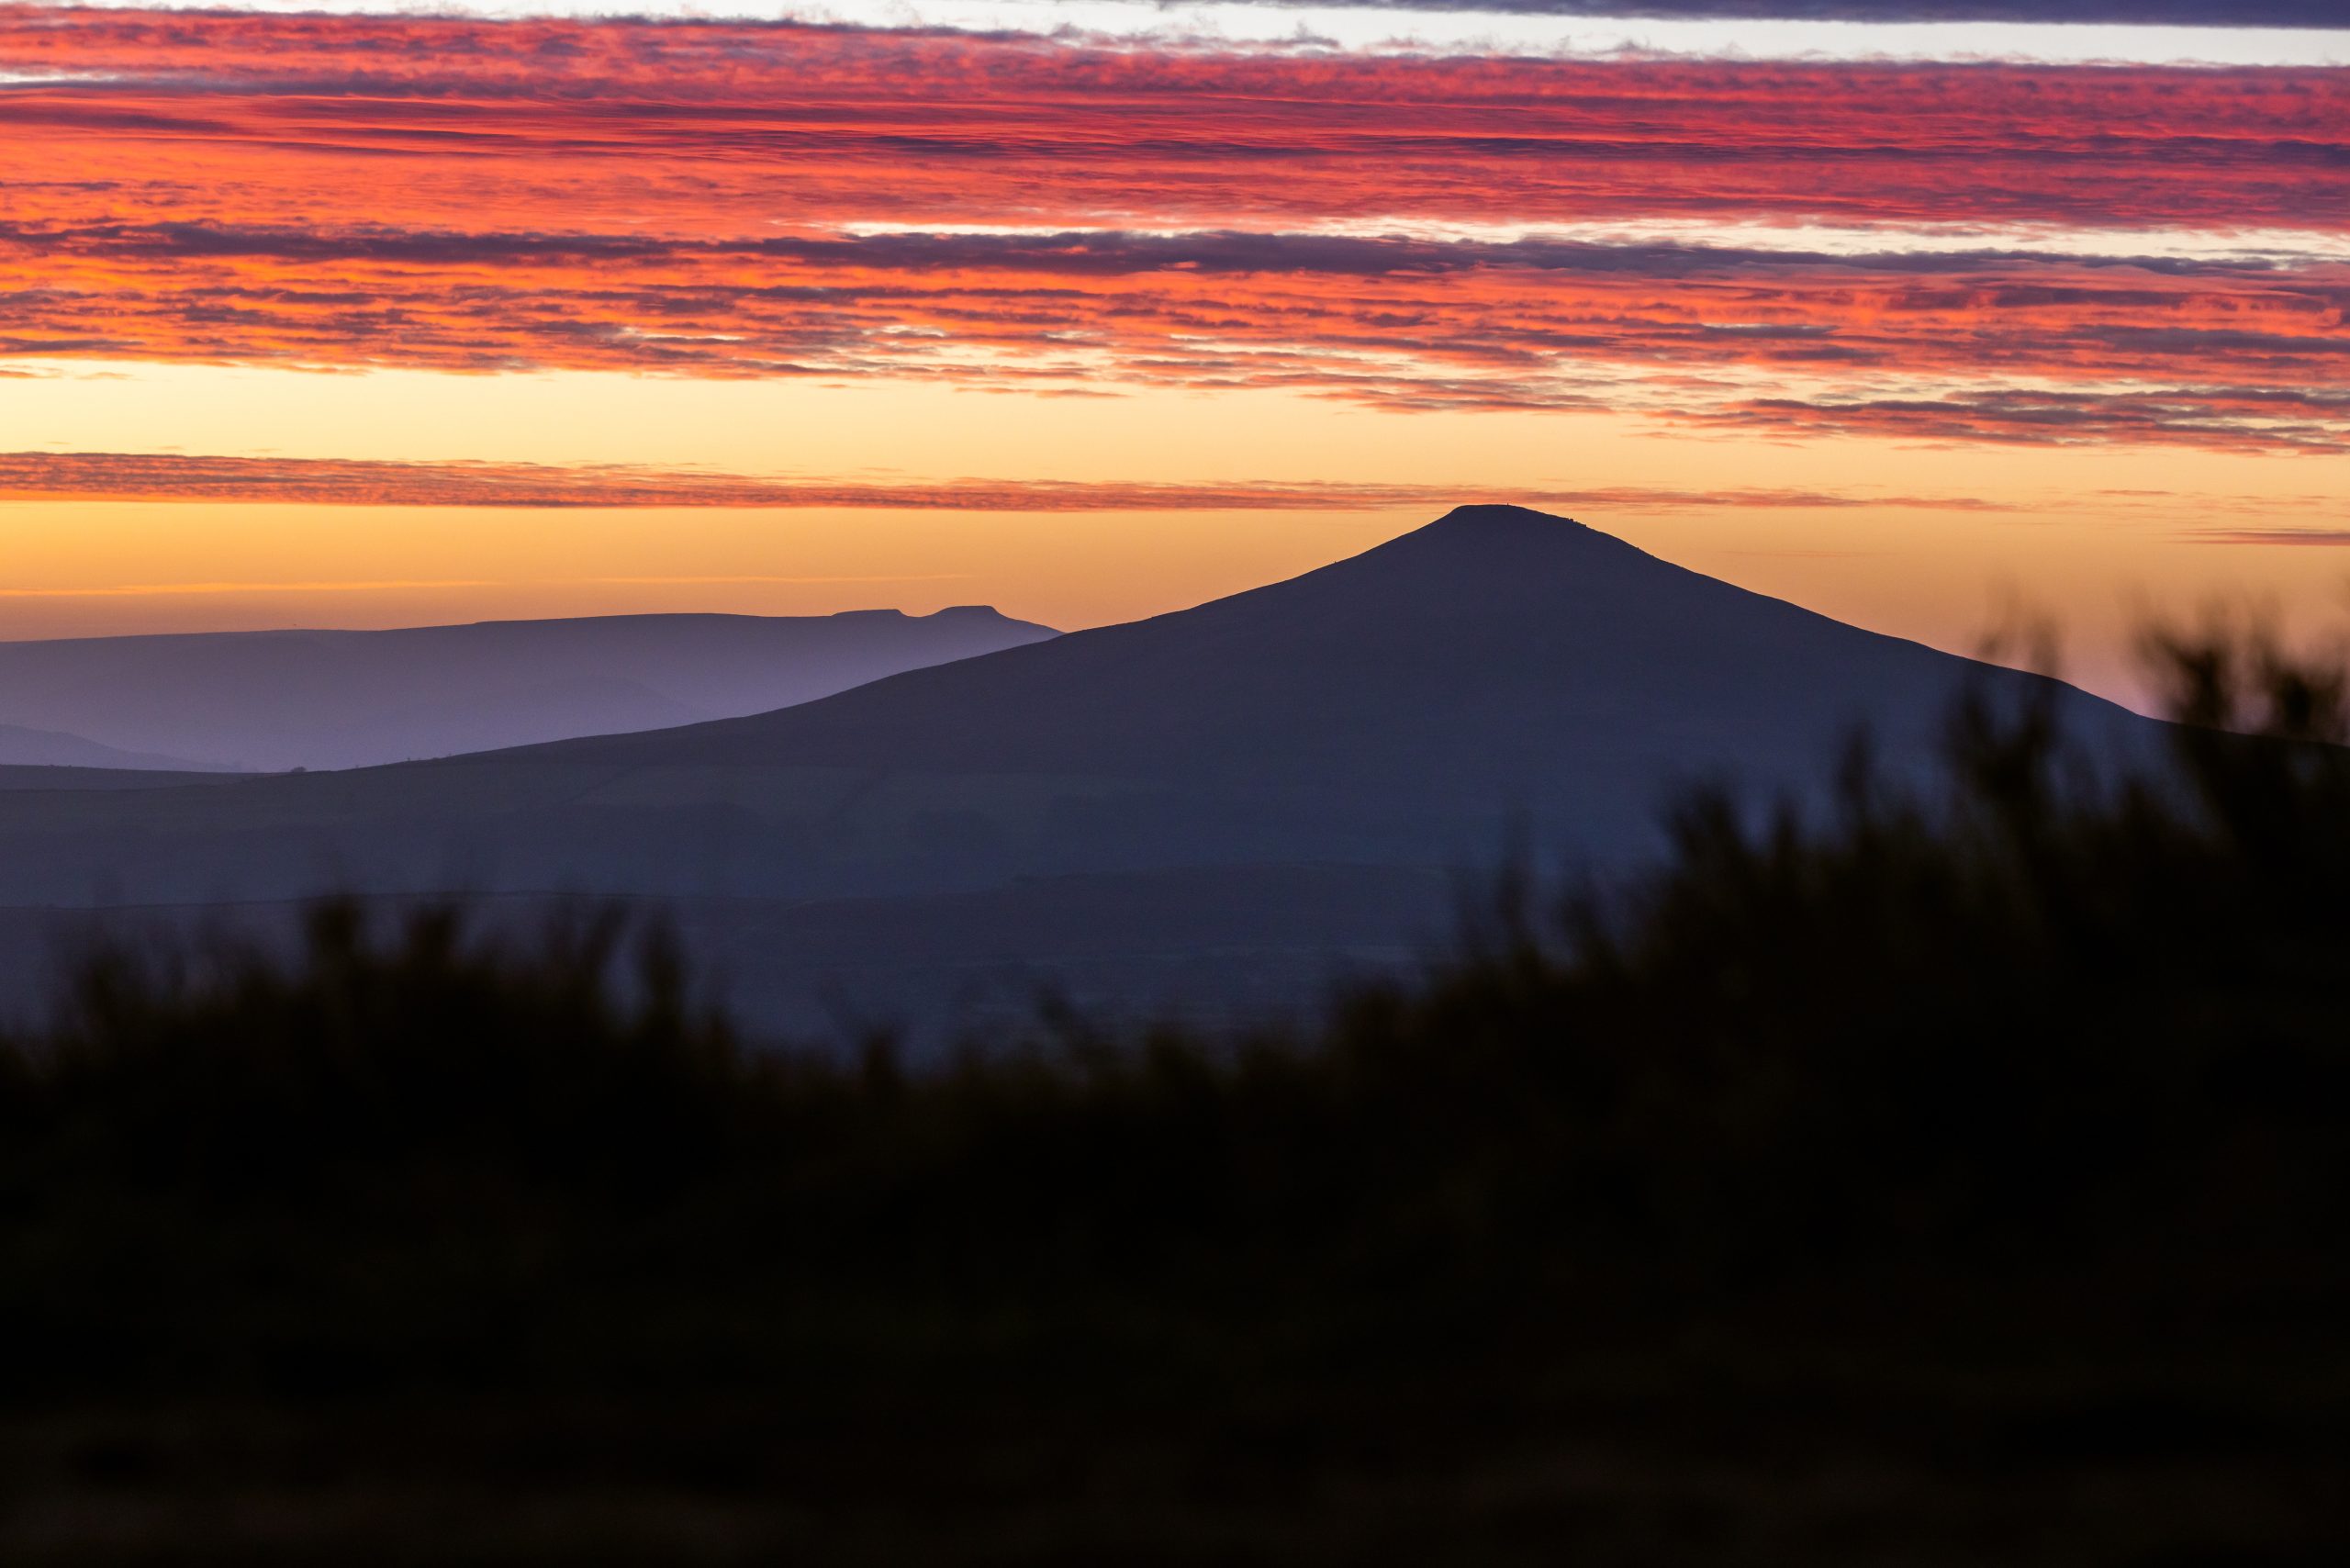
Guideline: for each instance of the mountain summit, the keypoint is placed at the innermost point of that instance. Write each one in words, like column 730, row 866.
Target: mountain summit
column 1498, row 660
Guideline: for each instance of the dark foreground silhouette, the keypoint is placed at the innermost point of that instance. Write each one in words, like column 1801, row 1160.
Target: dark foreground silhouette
column 1963, row 1184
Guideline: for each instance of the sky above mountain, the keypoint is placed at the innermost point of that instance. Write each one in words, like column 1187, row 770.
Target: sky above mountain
column 347, row 315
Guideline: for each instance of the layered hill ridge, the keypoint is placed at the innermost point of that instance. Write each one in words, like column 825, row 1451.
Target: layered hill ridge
column 273, row 700
column 1206, row 804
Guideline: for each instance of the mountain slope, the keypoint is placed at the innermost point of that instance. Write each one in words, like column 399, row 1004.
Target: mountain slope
column 1497, row 660
column 1497, row 669
column 273, row 700
column 1205, row 807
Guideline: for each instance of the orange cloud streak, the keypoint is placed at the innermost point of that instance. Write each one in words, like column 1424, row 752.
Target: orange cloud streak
column 170, row 476
column 1661, row 329
column 702, row 198
column 696, row 128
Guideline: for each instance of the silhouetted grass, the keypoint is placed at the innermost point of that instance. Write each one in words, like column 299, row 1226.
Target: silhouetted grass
column 1955, row 1182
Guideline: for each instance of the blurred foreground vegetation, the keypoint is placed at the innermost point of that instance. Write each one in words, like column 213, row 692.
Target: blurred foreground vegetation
column 1960, row 1182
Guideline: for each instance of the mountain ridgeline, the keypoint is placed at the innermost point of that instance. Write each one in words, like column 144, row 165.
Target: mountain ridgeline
column 1498, row 670
column 268, row 702
column 1230, row 793
column 1498, row 658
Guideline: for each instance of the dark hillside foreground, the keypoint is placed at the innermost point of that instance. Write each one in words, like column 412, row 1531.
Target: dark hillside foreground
column 1954, row 1185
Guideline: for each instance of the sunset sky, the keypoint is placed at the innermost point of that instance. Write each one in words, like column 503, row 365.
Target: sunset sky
column 352, row 315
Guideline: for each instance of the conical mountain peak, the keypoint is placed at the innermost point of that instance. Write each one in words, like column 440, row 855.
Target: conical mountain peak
column 1496, row 655
column 1488, row 533
column 1486, row 529
column 1489, row 517
column 1487, row 552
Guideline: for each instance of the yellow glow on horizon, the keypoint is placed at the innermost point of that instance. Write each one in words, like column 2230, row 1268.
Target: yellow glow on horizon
column 2093, row 537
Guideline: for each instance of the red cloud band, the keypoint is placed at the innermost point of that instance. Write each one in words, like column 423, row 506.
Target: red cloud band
column 700, row 126
column 2250, row 420
column 1410, row 323
column 465, row 195
column 170, row 476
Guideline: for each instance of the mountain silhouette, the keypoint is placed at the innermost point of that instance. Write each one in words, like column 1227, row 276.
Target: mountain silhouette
column 274, row 700
column 1497, row 661
column 1205, row 801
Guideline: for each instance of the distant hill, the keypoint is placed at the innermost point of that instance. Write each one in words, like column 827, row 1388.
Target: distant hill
column 23, row 747
column 268, row 702
column 1498, row 676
